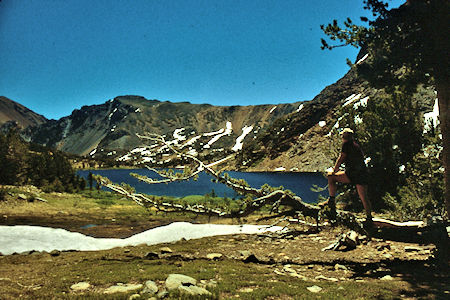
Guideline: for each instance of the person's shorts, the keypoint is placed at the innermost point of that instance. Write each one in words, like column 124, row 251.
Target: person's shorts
column 358, row 176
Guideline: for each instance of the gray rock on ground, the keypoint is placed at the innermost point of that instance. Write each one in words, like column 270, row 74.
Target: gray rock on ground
column 176, row 280
column 122, row 288
column 193, row 290
column 80, row 286
column 150, row 287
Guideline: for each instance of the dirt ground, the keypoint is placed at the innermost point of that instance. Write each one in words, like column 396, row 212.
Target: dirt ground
column 245, row 266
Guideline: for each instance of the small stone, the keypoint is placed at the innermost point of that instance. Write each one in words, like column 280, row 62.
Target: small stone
column 165, row 250
column 321, row 277
column 80, row 286
column 246, row 290
column 122, row 288
column 162, row 294
column 314, row 289
column 214, row 256
column 126, row 250
column 22, row 197
column 55, row 253
column 340, row 267
column 245, row 253
column 341, row 288
column 387, row 277
column 176, row 280
column 151, row 255
column 134, row 296
column 193, row 290
column 150, row 287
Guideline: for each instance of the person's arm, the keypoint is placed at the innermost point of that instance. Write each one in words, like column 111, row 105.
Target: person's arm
column 339, row 162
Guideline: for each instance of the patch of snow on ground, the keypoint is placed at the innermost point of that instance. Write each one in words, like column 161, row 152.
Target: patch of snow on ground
column 280, row 169
column 111, row 114
column 136, row 150
column 358, row 120
column 362, row 102
column 272, row 109
column 227, row 131
column 137, row 110
column 351, row 98
column 93, row 152
column 239, row 141
column 191, row 141
column 26, row 238
column 300, row 107
column 177, row 135
column 322, row 123
column 431, row 118
column 214, row 132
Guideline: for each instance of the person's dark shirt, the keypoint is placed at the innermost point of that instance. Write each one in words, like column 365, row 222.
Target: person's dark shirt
column 354, row 156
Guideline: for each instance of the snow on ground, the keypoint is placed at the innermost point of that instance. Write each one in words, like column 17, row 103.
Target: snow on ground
column 227, row 131
column 137, row 110
column 358, row 120
column 26, row 238
column 351, row 98
column 177, row 135
column 300, row 107
column 93, row 152
column 362, row 102
column 272, row 109
column 111, row 114
column 362, row 59
column 322, row 123
column 239, row 141
column 280, row 169
column 431, row 118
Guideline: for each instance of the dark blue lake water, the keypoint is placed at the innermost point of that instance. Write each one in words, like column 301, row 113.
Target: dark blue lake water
column 299, row 183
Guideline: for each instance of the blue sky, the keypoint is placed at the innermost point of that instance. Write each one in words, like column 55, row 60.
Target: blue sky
column 59, row 55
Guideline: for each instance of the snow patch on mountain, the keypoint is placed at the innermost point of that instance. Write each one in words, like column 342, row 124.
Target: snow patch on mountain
column 239, row 141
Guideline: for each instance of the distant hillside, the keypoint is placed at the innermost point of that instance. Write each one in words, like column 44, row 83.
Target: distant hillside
column 13, row 112
column 110, row 129
column 300, row 141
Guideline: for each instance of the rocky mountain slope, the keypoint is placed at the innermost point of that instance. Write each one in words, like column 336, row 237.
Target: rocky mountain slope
column 308, row 140
column 13, row 113
column 110, row 129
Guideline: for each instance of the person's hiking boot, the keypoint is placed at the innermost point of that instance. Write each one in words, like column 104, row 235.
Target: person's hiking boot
column 368, row 226
column 331, row 203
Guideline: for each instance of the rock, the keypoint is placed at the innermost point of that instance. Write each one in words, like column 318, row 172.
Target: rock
column 321, row 277
column 245, row 253
column 151, row 255
column 150, row 287
column 122, row 288
column 22, row 197
column 251, row 259
column 162, row 294
column 176, row 280
column 384, row 246
column 387, row 277
column 246, row 290
column 194, row 290
column 165, row 250
column 134, row 296
column 340, row 267
column 314, row 289
column 214, row 256
column 55, row 253
column 80, row 286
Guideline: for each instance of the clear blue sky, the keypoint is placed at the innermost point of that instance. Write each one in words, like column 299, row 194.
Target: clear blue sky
column 59, row 55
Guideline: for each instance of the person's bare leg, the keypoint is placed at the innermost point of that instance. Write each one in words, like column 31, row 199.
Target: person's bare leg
column 362, row 192
column 333, row 179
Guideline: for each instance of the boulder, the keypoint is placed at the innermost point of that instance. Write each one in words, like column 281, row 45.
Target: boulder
column 314, row 289
column 150, row 287
column 122, row 288
column 176, row 280
column 22, row 197
column 214, row 256
column 194, row 290
column 80, row 286
column 165, row 250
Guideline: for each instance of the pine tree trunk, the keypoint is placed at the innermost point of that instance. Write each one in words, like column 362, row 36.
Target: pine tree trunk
column 443, row 93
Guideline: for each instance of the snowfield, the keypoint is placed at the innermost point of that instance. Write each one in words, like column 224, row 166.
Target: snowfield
column 239, row 141
column 26, row 238
column 227, row 131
